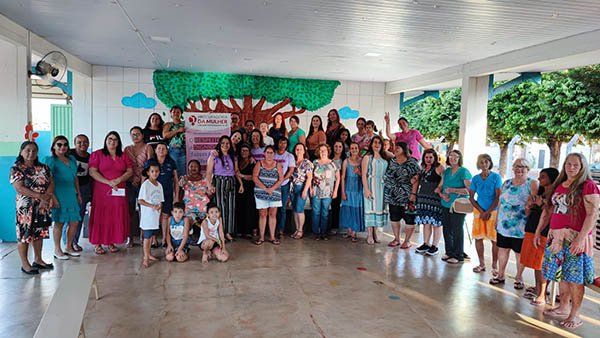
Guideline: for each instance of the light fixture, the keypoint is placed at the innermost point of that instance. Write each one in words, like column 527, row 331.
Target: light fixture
column 163, row 39
column 372, row 54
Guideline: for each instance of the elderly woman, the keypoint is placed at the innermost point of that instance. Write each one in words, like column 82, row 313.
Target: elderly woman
column 139, row 152
column 110, row 168
column 324, row 188
column 455, row 183
column 400, row 193
column 267, row 177
column 512, row 217
column 33, row 183
column 221, row 174
column 568, row 256
column 174, row 131
column 412, row 137
column 66, row 189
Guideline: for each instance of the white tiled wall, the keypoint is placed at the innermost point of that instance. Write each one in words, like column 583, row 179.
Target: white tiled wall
column 110, row 84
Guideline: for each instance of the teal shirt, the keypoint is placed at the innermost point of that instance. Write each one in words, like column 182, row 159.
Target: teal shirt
column 295, row 139
column 455, row 181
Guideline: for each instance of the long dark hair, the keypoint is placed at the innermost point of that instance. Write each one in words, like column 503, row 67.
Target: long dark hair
column 230, row 152
column 20, row 158
column 381, row 152
column 343, row 155
column 305, row 151
column 552, row 174
column 236, row 148
column 119, row 146
column 349, row 139
column 336, row 114
column 149, row 124
column 261, row 142
column 282, row 128
column 56, row 139
column 310, row 130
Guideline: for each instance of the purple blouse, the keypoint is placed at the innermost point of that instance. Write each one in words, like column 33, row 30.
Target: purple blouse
column 223, row 168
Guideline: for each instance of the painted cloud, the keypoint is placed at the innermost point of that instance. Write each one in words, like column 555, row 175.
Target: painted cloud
column 347, row 113
column 138, row 100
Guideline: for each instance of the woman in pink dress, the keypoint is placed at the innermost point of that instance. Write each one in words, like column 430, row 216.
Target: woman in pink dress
column 110, row 168
column 412, row 137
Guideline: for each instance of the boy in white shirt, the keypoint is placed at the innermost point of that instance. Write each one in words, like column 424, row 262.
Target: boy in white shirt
column 150, row 199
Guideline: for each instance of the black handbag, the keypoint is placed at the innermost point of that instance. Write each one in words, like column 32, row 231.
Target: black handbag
column 40, row 220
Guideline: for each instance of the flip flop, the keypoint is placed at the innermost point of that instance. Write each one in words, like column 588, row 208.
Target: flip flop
column 496, row 281
column 554, row 313
column 537, row 303
column 394, row 244
column 113, row 249
column 99, row 250
column 479, row 269
column 258, row 242
column 77, row 248
column 406, row 247
column 275, row 241
column 571, row 324
column 519, row 285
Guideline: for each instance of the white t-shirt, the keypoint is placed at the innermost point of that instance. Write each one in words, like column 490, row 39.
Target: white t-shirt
column 213, row 230
column 150, row 218
column 286, row 160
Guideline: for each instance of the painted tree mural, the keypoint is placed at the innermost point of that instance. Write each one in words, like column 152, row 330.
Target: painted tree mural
column 196, row 91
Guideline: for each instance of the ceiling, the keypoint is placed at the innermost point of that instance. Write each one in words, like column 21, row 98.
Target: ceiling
column 327, row 39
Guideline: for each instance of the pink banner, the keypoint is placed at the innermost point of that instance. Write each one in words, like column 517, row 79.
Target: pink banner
column 202, row 132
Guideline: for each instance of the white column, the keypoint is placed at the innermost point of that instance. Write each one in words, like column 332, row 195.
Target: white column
column 473, row 120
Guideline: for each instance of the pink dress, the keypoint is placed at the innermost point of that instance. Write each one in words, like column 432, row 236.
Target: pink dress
column 109, row 218
column 411, row 138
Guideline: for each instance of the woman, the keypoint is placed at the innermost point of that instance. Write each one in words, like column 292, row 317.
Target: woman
column 33, row 183
column 338, row 156
column 109, row 219
column 373, row 167
column 264, row 130
column 257, row 146
column 153, row 131
column 236, row 141
column 316, row 136
column 487, row 186
column 278, row 130
column 300, row 188
column 512, row 218
column 296, row 134
column 532, row 256
column 568, row 255
column 428, row 207
column 334, row 126
column 195, row 194
column 139, row 153
column 400, row 193
column 267, row 177
column 455, row 183
column 324, row 188
column 66, row 189
column 168, row 179
column 221, row 174
column 360, row 125
column 246, row 214
column 352, row 210
column 82, row 143
column 174, row 131
column 412, row 137
column 346, row 140
column 288, row 164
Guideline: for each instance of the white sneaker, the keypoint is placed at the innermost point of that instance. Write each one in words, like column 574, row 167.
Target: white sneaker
column 72, row 253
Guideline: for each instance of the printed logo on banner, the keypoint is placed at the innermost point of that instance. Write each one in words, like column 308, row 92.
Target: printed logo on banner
column 202, row 132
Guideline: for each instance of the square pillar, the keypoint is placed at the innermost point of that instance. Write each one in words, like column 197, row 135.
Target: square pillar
column 472, row 136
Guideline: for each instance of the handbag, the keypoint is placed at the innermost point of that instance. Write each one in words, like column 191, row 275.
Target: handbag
column 461, row 205
column 40, row 220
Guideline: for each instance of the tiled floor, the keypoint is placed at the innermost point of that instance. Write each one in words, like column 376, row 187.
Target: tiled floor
column 301, row 288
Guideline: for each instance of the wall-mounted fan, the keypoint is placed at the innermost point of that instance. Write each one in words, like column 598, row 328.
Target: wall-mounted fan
column 49, row 70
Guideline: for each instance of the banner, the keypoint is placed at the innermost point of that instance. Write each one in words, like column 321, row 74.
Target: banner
column 202, row 132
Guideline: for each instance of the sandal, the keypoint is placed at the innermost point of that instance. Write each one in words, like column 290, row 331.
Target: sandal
column 259, row 242
column 274, row 241
column 496, row 281
column 530, row 289
column 519, row 285
column 77, row 248
column 529, row 295
column 394, row 244
column 535, row 302
column 299, row 234
column 370, row 241
column 354, row 239
column 113, row 248
column 571, row 324
column 294, row 234
column 99, row 250
column 479, row 269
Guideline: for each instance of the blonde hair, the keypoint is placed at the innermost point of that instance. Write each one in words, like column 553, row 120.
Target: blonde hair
column 523, row 161
column 574, row 195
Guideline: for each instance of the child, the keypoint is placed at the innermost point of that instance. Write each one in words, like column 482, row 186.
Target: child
column 211, row 235
column 150, row 199
column 178, row 234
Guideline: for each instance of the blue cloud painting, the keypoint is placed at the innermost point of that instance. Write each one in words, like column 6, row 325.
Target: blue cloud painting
column 138, row 100
column 347, row 113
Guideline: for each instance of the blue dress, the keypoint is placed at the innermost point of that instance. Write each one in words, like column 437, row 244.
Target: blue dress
column 64, row 189
column 352, row 212
column 375, row 211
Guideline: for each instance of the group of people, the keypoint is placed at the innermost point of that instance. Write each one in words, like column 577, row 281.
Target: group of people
column 354, row 183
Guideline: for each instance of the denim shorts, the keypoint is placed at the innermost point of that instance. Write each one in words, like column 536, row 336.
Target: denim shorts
column 177, row 242
column 264, row 204
column 147, row 234
column 298, row 203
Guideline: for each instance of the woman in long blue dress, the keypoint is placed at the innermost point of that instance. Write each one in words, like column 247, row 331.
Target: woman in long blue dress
column 66, row 189
column 352, row 211
column 373, row 168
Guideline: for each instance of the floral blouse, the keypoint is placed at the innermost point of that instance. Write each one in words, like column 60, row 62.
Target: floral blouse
column 195, row 197
column 324, row 179
column 301, row 172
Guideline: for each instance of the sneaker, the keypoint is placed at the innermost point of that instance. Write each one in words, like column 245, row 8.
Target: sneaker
column 423, row 248
column 432, row 251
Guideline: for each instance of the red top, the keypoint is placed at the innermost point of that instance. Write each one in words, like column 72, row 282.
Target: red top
column 562, row 216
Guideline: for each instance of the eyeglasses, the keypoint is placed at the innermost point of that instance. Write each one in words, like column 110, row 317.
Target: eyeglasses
column 60, row 144
column 521, row 167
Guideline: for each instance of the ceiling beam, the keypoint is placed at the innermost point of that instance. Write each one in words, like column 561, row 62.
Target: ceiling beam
column 523, row 59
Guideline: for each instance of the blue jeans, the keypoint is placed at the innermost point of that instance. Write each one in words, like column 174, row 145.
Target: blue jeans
column 86, row 196
column 178, row 155
column 320, row 215
column 285, row 194
column 298, row 203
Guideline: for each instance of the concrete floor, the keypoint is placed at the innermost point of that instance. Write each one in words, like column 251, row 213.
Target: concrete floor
column 301, row 288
